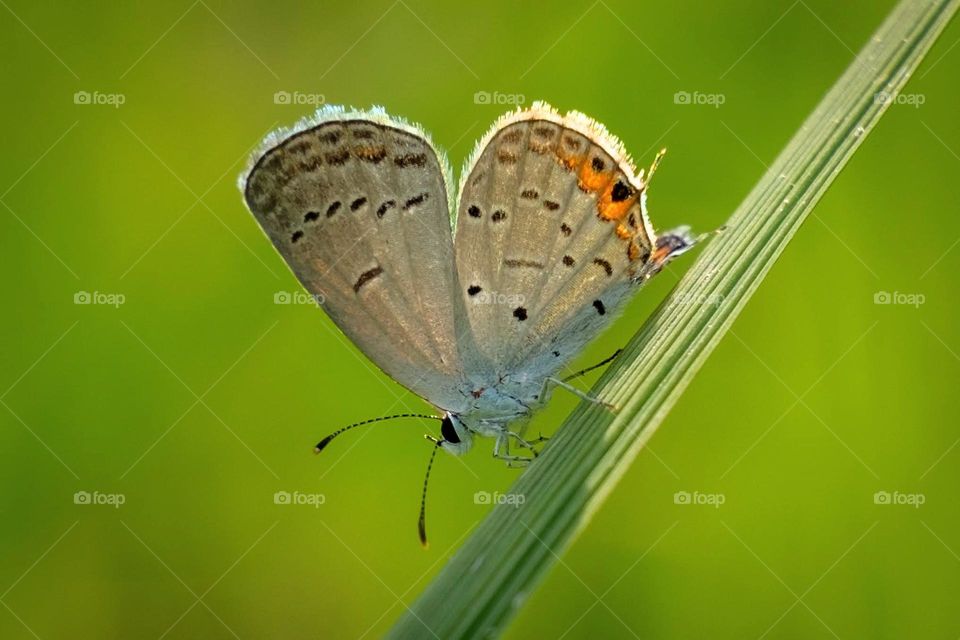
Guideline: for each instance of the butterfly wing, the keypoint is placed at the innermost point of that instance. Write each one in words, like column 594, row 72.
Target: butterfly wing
column 357, row 205
column 551, row 233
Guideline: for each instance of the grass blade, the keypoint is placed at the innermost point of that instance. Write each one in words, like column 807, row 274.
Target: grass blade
column 486, row 582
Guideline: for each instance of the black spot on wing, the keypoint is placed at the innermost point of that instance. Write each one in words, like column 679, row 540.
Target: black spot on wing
column 620, row 192
column 551, row 205
column 366, row 277
column 531, row 264
column 332, row 209
column 498, row 215
column 386, row 206
column 474, row 289
column 415, row 200
column 598, row 305
column 520, row 314
column 311, row 216
column 529, row 194
column 296, row 236
column 473, row 211
column 604, row 264
column 410, row 160
column 359, row 202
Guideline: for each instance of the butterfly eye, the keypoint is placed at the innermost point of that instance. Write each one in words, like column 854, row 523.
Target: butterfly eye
column 448, row 431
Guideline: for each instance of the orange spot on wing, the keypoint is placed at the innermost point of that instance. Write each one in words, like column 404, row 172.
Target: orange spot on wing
column 592, row 180
column 602, row 184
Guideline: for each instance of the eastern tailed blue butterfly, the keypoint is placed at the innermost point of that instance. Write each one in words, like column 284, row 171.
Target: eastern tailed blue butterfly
column 473, row 299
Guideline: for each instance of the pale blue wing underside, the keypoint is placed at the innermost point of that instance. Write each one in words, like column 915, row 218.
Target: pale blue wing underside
column 551, row 228
column 357, row 205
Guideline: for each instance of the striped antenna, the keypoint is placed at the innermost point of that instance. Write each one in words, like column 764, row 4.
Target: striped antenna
column 422, row 523
column 323, row 443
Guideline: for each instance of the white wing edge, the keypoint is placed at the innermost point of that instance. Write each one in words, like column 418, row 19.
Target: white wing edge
column 377, row 114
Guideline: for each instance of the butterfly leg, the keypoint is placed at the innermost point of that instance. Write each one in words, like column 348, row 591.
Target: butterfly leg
column 503, row 440
column 529, row 444
column 580, row 394
column 596, row 366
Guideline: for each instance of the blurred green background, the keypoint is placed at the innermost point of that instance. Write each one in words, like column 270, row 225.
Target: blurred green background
column 184, row 391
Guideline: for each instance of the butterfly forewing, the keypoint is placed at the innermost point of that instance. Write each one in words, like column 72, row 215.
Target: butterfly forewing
column 550, row 229
column 357, row 206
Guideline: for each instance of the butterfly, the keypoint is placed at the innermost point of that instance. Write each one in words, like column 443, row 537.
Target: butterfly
column 472, row 296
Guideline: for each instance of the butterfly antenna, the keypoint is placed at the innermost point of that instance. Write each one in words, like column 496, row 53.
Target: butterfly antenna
column 323, row 443
column 422, row 523
column 654, row 165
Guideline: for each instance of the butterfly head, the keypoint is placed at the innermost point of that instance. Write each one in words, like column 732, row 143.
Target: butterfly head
column 669, row 245
column 457, row 439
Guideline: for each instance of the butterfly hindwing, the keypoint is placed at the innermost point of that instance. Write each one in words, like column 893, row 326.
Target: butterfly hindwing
column 357, row 205
column 551, row 229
